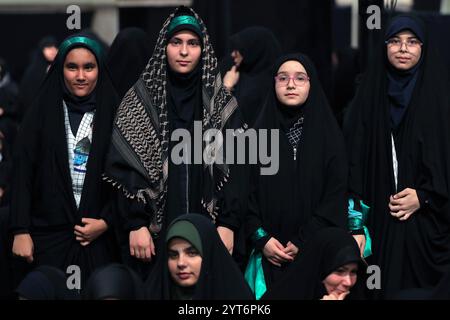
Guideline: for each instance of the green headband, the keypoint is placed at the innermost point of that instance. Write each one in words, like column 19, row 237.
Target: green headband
column 184, row 20
column 90, row 43
column 186, row 230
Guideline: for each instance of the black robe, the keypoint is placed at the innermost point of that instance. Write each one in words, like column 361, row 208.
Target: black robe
column 328, row 250
column 127, row 57
column 42, row 202
column 413, row 253
column 307, row 193
column 34, row 76
column 220, row 278
column 259, row 48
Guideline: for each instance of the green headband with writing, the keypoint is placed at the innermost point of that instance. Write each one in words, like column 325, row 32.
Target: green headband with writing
column 90, row 43
column 184, row 20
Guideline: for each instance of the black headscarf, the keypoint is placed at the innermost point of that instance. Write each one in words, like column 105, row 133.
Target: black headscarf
column 220, row 278
column 422, row 148
column 401, row 83
column 327, row 251
column 127, row 57
column 259, row 48
column 46, row 283
column 34, row 75
column 114, row 281
column 307, row 193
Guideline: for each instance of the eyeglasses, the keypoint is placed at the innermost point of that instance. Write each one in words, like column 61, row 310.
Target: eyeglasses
column 397, row 43
column 299, row 79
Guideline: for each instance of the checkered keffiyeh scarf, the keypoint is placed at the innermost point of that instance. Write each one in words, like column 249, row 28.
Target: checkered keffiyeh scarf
column 141, row 125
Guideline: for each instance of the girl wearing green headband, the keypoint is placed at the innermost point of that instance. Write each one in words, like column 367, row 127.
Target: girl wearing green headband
column 60, row 214
column 180, row 86
column 195, row 265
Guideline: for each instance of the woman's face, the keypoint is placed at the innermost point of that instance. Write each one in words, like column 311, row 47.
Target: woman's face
column 342, row 279
column 183, row 51
column 404, row 50
column 50, row 53
column 80, row 72
column 184, row 262
column 292, row 84
column 237, row 57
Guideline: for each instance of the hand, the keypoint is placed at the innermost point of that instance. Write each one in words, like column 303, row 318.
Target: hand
column 92, row 229
column 291, row 249
column 2, row 111
column 274, row 252
column 23, row 247
column 231, row 78
column 361, row 241
column 403, row 204
column 335, row 296
column 141, row 244
column 227, row 236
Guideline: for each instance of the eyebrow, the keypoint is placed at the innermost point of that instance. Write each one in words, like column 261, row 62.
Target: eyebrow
column 74, row 64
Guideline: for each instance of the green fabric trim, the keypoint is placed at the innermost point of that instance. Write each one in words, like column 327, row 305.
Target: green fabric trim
column 357, row 221
column 90, row 43
column 186, row 230
column 254, row 274
column 259, row 234
column 183, row 20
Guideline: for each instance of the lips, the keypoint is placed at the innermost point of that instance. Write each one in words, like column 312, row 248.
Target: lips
column 183, row 63
column 81, row 86
column 183, row 275
column 403, row 59
column 291, row 95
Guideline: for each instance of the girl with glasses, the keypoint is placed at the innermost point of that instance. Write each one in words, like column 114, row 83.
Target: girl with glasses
column 308, row 191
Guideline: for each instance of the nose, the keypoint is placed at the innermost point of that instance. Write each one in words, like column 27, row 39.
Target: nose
column 347, row 281
column 405, row 48
column 81, row 76
column 291, row 83
column 181, row 263
column 183, row 50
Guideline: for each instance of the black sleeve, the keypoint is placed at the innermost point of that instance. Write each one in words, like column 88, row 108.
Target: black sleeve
column 428, row 199
column 24, row 168
column 133, row 213
column 253, row 219
column 233, row 198
column 233, row 195
column 107, row 212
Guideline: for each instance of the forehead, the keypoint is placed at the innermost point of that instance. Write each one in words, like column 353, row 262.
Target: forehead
column 185, row 35
column 405, row 34
column 350, row 266
column 80, row 55
column 179, row 244
column 291, row 66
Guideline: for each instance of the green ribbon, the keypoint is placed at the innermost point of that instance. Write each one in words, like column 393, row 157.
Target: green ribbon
column 357, row 221
column 254, row 274
column 183, row 20
column 259, row 234
column 90, row 43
